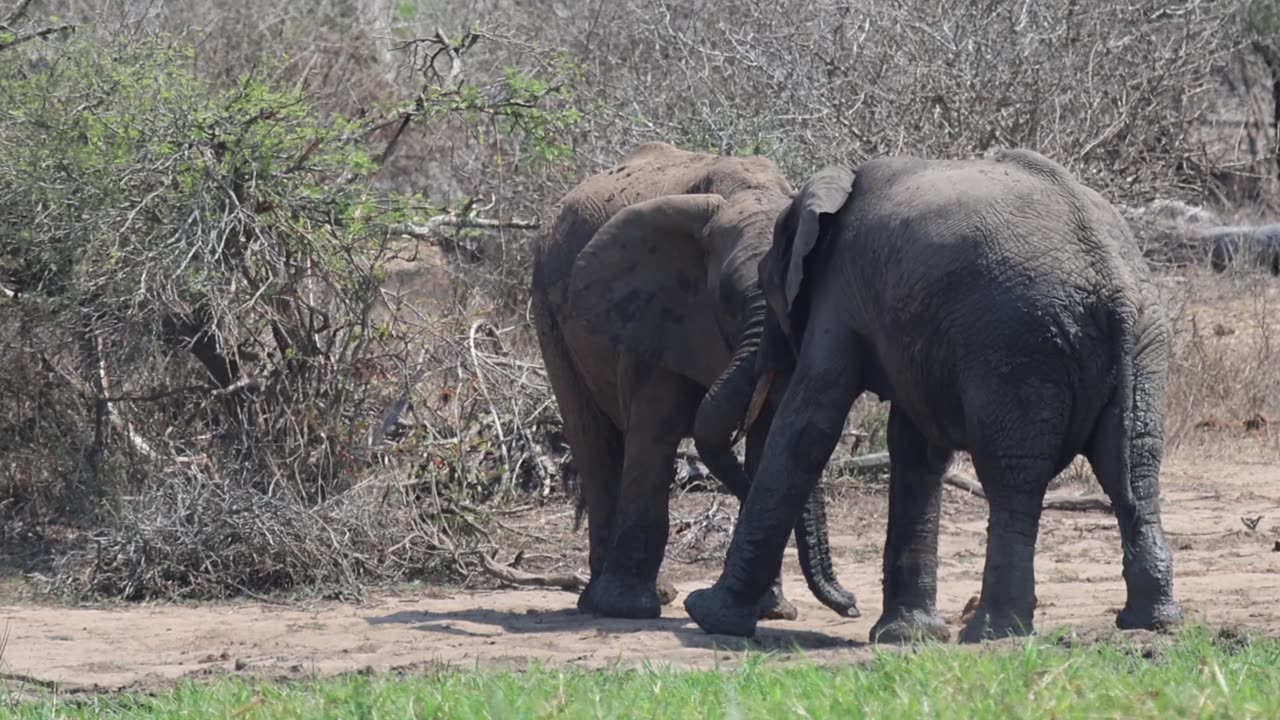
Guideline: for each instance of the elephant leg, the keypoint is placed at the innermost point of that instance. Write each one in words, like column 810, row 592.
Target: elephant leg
column 1016, row 437
column 713, row 432
column 774, row 605
column 660, row 411
column 1127, row 464
column 800, row 442
column 597, row 450
column 594, row 440
column 911, row 545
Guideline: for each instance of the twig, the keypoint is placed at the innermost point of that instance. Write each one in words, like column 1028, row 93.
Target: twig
column 563, row 581
column 1084, row 503
column 36, row 34
column 429, row 228
column 455, row 58
column 29, row 680
column 17, row 14
column 484, row 387
column 140, row 443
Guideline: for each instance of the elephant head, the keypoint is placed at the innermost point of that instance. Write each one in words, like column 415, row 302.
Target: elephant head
column 674, row 279
column 781, row 272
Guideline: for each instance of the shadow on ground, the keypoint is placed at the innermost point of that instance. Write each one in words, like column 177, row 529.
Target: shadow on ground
column 480, row 622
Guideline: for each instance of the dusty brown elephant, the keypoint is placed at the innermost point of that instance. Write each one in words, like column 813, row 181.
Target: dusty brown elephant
column 642, row 288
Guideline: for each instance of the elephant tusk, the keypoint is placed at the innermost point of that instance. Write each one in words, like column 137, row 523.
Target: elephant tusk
column 757, row 401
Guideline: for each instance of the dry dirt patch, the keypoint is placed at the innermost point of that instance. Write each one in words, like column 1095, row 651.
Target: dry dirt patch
column 1227, row 573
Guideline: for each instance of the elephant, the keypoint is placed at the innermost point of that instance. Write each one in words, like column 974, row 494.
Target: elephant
column 1257, row 246
column 642, row 289
column 1001, row 308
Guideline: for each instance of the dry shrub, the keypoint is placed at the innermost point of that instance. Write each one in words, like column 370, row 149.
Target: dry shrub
column 201, row 350
column 199, row 536
column 478, row 436
column 1224, row 364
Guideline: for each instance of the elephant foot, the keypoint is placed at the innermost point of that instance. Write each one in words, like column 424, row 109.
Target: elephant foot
column 716, row 612
column 1162, row 617
column 610, row 596
column 906, row 626
column 775, row 606
column 990, row 624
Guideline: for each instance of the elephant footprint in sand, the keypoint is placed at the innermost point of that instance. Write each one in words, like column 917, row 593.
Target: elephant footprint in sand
column 642, row 289
column 1003, row 309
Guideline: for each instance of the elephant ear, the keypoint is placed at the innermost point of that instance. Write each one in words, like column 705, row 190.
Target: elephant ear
column 796, row 235
column 641, row 283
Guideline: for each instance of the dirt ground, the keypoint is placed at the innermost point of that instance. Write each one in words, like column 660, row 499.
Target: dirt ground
column 1226, row 573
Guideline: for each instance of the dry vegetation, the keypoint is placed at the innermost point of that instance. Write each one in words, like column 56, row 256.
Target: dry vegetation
column 263, row 269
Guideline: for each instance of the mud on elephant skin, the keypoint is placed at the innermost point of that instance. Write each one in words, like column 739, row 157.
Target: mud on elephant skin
column 1003, row 309
column 643, row 288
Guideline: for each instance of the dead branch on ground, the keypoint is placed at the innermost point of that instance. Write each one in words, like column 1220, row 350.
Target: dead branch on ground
column 962, row 481
column 574, row 582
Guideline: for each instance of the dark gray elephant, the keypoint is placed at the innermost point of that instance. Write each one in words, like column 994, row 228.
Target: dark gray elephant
column 1257, row 247
column 1002, row 309
column 642, row 289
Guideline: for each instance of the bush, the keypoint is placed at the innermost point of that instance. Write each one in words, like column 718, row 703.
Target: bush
column 200, row 356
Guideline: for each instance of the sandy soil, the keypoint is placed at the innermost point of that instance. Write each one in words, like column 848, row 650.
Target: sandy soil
column 1225, row 573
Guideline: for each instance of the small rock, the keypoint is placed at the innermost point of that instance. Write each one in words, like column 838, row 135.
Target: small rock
column 1221, row 330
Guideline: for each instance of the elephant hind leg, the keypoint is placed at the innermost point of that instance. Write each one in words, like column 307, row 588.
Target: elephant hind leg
column 1126, row 461
column 660, row 406
column 597, row 449
column 594, row 439
column 1016, row 437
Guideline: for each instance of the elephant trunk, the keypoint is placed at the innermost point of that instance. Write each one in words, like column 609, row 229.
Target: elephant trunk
column 814, row 550
column 731, row 402
column 725, row 405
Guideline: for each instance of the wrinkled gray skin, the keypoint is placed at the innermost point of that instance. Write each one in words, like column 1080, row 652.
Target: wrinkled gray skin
column 1255, row 246
column 1002, row 309
column 642, row 289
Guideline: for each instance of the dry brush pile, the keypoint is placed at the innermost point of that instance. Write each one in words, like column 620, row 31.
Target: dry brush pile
column 264, row 312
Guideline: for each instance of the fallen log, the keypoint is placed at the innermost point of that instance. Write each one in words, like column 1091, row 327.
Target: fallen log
column 572, row 582
column 563, row 581
column 962, row 481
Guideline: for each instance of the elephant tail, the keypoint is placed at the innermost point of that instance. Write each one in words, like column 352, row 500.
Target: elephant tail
column 1138, row 345
column 585, row 422
column 1122, row 332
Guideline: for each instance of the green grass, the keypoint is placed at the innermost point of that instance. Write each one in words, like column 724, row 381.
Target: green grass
column 1195, row 676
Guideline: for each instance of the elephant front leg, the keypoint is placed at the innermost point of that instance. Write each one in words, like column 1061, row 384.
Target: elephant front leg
column 911, row 546
column 798, row 447
column 713, row 434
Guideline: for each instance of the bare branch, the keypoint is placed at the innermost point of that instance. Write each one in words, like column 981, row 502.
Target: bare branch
column 24, row 37
column 430, row 228
column 574, row 582
column 17, row 14
column 962, row 481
